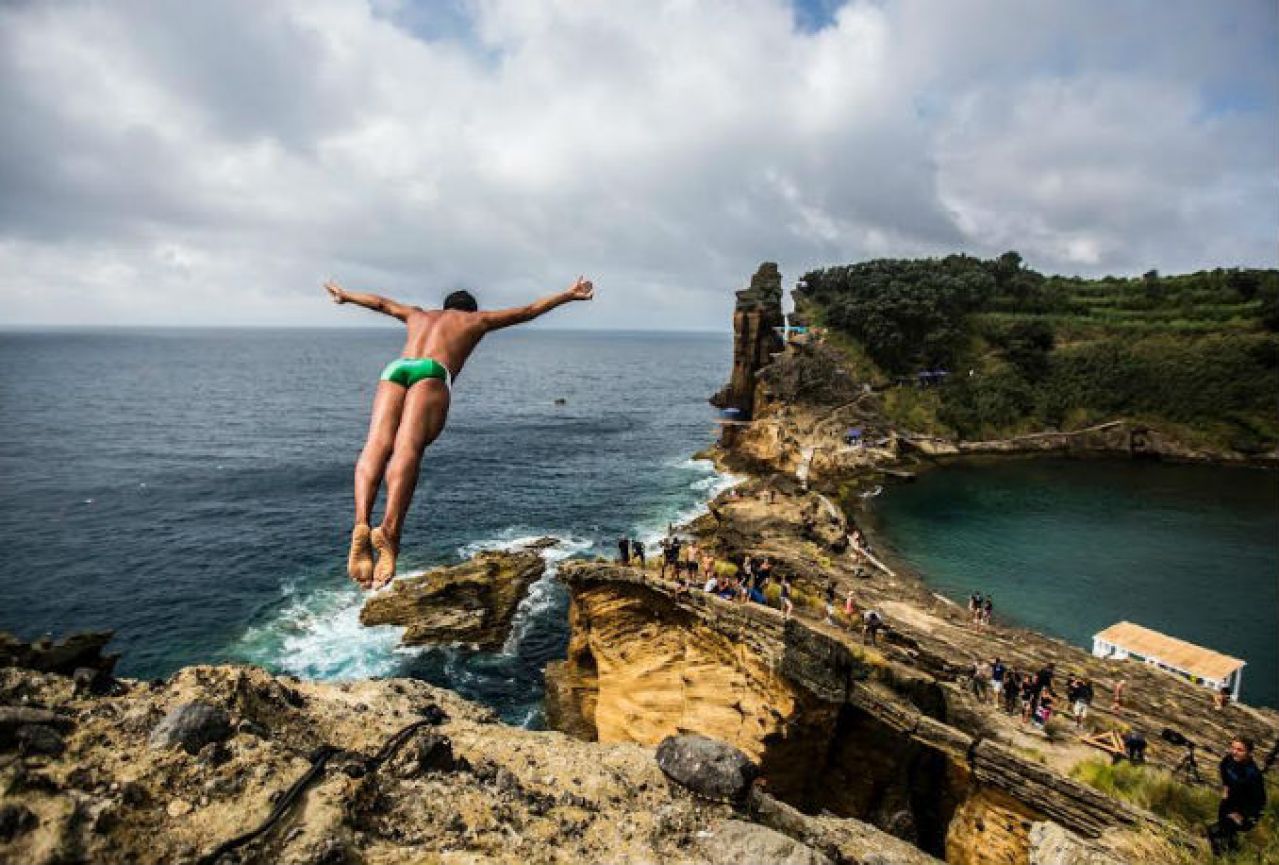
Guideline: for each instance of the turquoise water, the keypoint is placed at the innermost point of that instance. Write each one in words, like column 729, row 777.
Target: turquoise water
column 1068, row 547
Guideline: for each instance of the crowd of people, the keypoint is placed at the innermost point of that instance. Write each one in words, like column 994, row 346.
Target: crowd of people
column 1030, row 696
column 743, row 579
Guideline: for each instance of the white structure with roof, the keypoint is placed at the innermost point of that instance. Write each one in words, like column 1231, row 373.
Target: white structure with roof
column 1201, row 666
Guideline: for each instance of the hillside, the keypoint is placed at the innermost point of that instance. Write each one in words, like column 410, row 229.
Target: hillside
column 1196, row 355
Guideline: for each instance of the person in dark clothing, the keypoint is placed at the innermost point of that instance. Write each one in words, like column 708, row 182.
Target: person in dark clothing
column 1243, row 795
column 624, row 551
column 1043, row 684
column 1012, row 691
column 1135, row 746
column 670, row 556
column 637, row 551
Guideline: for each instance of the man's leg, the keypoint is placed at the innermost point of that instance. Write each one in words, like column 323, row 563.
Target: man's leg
column 388, row 402
column 426, row 408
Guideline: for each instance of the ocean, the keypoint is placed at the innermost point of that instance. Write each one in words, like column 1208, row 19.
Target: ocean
column 191, row 489
column 1069, row 547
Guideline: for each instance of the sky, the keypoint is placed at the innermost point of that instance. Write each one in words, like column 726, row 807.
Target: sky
column 178, row 163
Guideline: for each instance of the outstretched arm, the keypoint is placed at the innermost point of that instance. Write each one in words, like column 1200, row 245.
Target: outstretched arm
column 374, row 302
column 499, row 318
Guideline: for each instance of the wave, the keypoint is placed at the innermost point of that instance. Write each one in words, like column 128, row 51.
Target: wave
column 317, row 634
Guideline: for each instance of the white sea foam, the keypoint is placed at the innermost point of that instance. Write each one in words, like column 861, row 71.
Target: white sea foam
column 318, row 635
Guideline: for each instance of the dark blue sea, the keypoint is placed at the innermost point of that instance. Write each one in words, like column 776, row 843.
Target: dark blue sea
column 192, row 488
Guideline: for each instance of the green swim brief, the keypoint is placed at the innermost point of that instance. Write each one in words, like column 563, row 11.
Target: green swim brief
column 408, row 371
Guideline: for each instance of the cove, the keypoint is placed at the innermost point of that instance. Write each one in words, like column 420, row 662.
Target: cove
column 1068, row 547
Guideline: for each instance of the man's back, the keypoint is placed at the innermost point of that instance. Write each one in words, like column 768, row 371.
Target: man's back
column 447, row 335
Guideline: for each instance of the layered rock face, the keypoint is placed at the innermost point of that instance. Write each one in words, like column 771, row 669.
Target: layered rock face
column 836, row 728
column 757, row 313
column 643, row 668
column 471, row 603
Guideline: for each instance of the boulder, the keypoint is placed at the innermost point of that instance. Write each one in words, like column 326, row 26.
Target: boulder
column 191, row 726
column 472, row 603
column 737, row 841
column 82, row 650
column 15, row 820
column 39, row 739
column 711, row 769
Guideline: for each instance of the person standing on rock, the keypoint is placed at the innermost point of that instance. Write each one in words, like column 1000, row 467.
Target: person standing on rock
column 411, row 406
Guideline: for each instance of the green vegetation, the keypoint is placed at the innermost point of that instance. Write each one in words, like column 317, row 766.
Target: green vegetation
column 1198, row 353
column 1190, row 807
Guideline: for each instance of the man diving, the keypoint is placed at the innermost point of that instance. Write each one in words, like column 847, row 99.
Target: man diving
column 411, row 405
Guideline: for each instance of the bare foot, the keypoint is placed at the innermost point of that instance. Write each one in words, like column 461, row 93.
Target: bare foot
column 359, row 561
column 384, row 571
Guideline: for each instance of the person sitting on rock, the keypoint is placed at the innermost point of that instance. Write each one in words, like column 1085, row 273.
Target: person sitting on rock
column 411, row 405
column 1243, row 796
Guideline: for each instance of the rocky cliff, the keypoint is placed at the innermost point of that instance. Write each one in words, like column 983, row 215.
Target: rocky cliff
column 756, row 315
column 836, row 728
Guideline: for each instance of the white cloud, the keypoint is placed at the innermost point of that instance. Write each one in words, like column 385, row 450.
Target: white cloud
column 210, row 163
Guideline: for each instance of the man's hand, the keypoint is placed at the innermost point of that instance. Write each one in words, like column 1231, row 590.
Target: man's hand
column 581, row 290
column 335, row 291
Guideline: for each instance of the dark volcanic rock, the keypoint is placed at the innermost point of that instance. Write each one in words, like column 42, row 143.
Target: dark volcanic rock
column 709, row 768
column 192, row 726
column 62, row 656
column 39, row 739
column 15, row 820
column 473, row 602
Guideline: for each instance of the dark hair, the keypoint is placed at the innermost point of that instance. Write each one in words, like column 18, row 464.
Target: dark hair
column 462, row 300
column 1246, row 741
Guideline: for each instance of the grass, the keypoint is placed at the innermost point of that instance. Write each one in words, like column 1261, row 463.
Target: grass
column 1190, row 807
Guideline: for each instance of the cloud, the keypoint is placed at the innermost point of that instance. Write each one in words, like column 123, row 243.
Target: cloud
column 166, row 163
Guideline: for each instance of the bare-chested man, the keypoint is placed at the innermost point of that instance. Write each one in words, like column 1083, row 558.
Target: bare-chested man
column 411, row 405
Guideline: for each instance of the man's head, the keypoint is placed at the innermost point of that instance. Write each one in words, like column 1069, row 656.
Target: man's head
column 1241, row 748
column 463, row 301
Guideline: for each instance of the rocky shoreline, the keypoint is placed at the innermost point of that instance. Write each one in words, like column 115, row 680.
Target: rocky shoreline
column 687, row 728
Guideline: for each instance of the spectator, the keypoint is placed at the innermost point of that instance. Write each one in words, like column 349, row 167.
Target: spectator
column 787, row 606
column 980, row 681
column 670, row 556
column 1080, row 697
column 1043, row 682
column 1043, row 711
column 850, row 608
column 872, row 624
column 987, row 608
column 624, row 551
column 1221, row 698
column 1135, row 746
column 1012, row 691
column 978, row 604
column 1243, row 795
column 997, row 671
column 1117, row 702
column 637, row 551
column 1027, row 696
column 830, row 594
